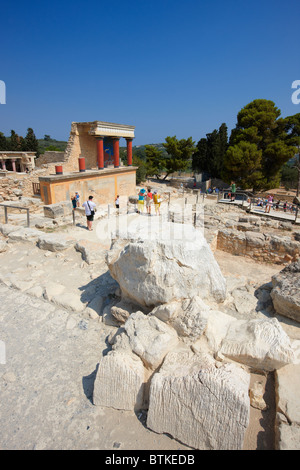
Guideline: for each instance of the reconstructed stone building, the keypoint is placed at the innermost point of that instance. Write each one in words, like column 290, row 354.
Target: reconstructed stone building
column 92, row 164
column 17, row 161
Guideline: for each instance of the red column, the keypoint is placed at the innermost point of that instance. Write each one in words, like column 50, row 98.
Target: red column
column 58, row 169
column 100, row 153
column 81, row 161
column 13, row 162
column 116, row 152
column 129, row 152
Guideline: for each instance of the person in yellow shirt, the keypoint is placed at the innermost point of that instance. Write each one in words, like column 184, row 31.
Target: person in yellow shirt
column 157, row 202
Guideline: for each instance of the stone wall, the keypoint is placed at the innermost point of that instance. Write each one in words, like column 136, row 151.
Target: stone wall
column 263, row 247
column 14, row 184
column 80, row 144
column 50, row 157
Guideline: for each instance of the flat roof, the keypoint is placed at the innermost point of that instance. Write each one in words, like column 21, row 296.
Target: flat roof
column 86, row 174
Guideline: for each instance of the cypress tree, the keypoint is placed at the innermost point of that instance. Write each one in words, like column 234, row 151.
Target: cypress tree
column 31, row 143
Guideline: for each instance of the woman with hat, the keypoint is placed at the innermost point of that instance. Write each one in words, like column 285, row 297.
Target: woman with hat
column 141, row 199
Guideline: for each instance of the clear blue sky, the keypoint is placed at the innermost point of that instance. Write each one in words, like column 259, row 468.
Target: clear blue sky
column 167, row 67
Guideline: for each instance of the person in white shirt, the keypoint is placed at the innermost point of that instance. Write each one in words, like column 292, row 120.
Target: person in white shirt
column 90, row 209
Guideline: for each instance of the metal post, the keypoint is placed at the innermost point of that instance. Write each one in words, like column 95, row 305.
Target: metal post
column 28, row 223
column 73, row 214
column 5, row 215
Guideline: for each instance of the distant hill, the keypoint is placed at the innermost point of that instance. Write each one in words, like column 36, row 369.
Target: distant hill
column 51, row 144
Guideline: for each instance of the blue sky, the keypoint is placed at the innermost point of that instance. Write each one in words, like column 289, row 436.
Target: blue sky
column 167, row 67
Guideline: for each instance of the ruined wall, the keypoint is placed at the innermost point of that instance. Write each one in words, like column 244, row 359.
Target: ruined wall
column 262, row 247
column 14, row 184
column 50, row 157
column 80, row 144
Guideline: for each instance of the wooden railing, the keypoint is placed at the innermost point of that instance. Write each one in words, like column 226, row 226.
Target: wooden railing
column 15, row 207
column 36, row 187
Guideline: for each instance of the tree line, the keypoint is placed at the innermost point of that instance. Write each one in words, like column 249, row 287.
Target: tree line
column 262, row 149
column 17, row 143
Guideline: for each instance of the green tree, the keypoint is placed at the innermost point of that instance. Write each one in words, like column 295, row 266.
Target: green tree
column 3, row 142
column 210, row 152
column 259, row 126
column 154, row 161
column 292, row 126
column 14, row 142
column 200, row 160
column 31, row 143
column 289, row 176
column 180, row 154
column 141, row 170
column 243, row 159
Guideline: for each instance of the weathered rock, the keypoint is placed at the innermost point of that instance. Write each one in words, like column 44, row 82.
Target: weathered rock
column 24, row 234
column 94, row 307
column 3, row 246
column 286, row 291
column 151, row 273
column 287, row 384
column 256, row 393
column 188, row 317
column 120, row 381
column 150, row 338
column 92, row 252
column 70, row 301
column 54, row 242
column 201, row 405
column 261, row 344
column 122, row 310
column 5, row 229
column 53, row 289
column 244, row 301
column 59, row 209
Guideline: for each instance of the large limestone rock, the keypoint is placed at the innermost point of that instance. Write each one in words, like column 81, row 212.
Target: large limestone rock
column 59, row 209
column 138, row 349
column 24, row 234
column 188, row 317
column 261, row 344
column 201, row 404
column 53, row 242
column 119, row 381
column 91, row 251
column 153, row 272
column 150, row 338
column 286, row 291
column 288, row 407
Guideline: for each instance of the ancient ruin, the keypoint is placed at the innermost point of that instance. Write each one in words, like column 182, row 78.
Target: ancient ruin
column 186, row 336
